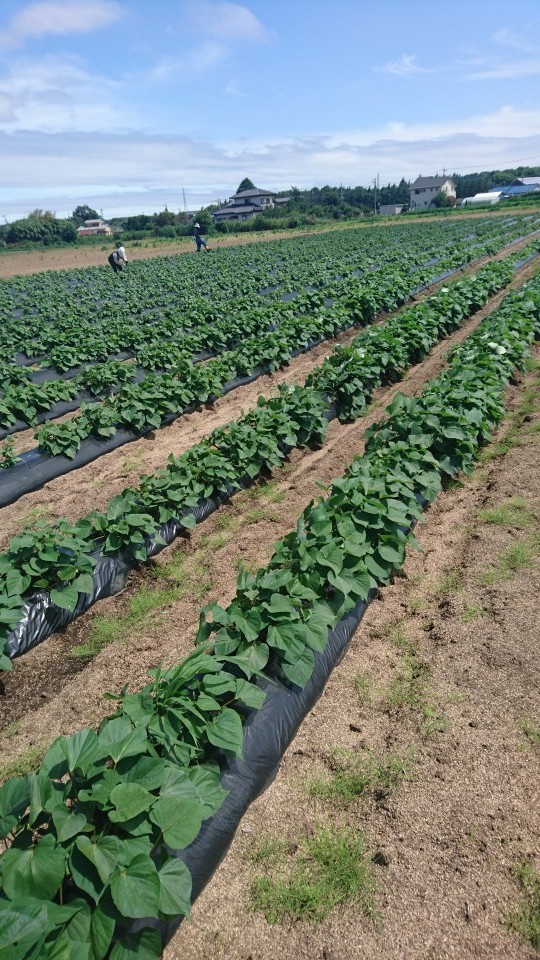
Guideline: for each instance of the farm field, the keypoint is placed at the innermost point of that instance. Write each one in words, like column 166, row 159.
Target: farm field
column 434, row 710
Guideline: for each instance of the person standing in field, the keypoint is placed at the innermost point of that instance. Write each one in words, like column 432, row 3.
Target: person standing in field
column 198, row 239
column 118, row 259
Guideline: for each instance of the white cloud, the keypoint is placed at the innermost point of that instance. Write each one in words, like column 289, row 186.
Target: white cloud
column 54, row 94
column 228, row 22
column 59, row 17
column 136, row 172
column 404, row 67
column 507, row 71
column 508, row 38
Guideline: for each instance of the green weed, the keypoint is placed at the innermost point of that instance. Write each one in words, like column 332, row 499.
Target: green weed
column 521, row 556
column 355, row 777
column 474, row 611
column 510, row 513
column 216, row 541
column 266, row 491
column 451, row 582
column 531, row 731
column 119, row 628
column 433, row 721
column 28, row 762
column 332, row 868
column 228, row 521
column 363, row 686
column 257, row 514
column 40, row 512
column 397, row 634
column 525, row 920
column 408, row 688
column 269, row 851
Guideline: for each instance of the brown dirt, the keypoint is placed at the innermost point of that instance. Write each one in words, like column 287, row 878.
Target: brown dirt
column 465, row 815
column 450, row 836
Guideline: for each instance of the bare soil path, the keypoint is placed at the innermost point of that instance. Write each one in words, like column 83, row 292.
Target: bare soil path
column 448, row 839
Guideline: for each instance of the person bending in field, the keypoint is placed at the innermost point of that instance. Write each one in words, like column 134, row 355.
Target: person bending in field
column 198, row 239
column 118, row 259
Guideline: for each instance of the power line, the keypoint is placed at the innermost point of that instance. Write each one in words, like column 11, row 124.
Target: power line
column 507, row 162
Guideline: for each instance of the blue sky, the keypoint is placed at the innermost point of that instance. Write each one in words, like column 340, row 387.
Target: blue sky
column 125, row 104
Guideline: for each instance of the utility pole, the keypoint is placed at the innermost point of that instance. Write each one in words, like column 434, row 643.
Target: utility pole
column 376, row 187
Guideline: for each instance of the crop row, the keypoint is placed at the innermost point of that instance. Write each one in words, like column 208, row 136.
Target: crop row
column 139, row 407
column 94, row 834
column 72, row 341
column 60, row 557
column 89, row 315
column 24, row 402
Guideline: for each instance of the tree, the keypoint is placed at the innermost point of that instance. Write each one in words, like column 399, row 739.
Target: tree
column 82, row 213
column 204, row 218
column 39, row 214
column 246, row 185
column 442, row 200
column 40, row 228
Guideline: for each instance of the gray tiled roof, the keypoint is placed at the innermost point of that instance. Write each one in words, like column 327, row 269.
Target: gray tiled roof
column 254, row 193
column 430, row 181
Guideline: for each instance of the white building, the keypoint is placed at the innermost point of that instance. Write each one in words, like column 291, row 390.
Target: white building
column 424, row 190
column 91, row 227
column 492, row 197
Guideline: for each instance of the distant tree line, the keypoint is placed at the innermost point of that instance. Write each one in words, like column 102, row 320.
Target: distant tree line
column 302, row 207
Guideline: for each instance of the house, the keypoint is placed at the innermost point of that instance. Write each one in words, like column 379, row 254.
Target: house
column 246, row 204
column 424, row 190
column 91, row 227
column 390, row 209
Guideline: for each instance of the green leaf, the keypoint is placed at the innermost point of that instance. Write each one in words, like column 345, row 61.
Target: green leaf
column 391, row 554
column 135, row 888
column 130, row 745
column 67, row 824
column 14, row 798
column 144, row 945
column 206, row 781
column 5, row 662
column 81, row 750
column 148, row 772
column 101, row 932
column 178, row 818
column 37, row 872
column 65, row 598
column 226, row 731
column 280, row 605
column 317, row 630
column 300, row 671
column 249, row 694
column 21, row 920
column 130, row 799
column 103, row 854
column 16, row 584
column 356, row 584
column 331, row 556
column 84, row 583
column 175, row 891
